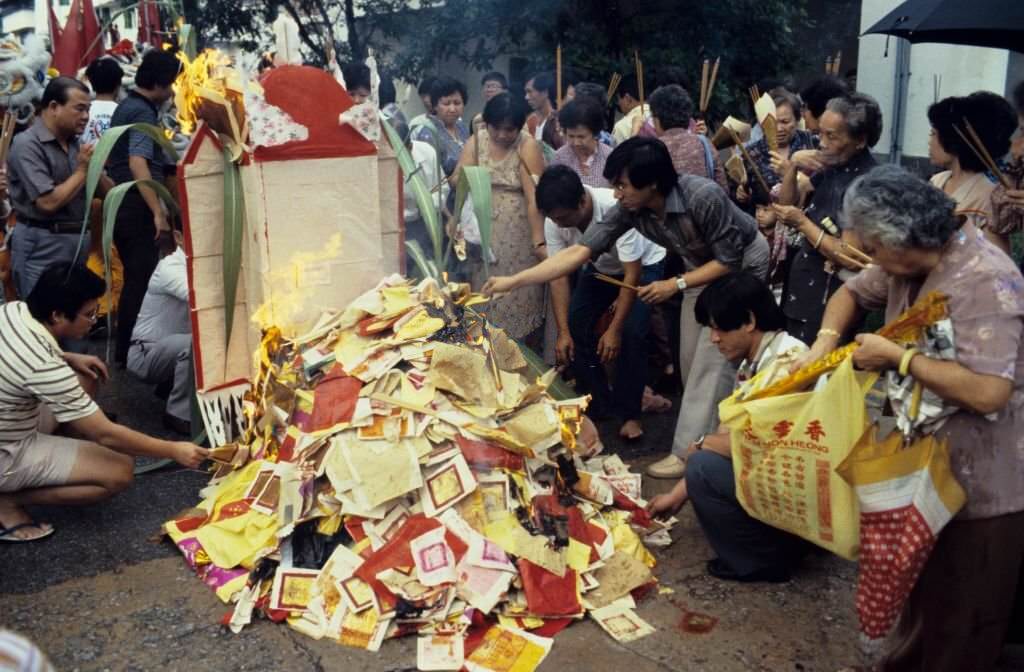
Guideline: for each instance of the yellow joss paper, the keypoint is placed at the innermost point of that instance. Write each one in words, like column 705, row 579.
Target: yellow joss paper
column 512, row 538
column 507, row 649
column 420, row 326
column 397, row 299
column 329, row 525
column 628, row 541
column 522, row 622
column 238, row 540
column 577, row 556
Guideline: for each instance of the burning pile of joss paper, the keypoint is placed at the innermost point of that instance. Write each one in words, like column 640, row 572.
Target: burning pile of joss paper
column 404, row 471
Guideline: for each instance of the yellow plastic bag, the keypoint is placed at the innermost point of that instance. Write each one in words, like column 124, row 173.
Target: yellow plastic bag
column 785, row 451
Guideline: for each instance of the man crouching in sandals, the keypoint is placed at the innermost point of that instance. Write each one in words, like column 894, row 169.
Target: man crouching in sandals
column 56, row 445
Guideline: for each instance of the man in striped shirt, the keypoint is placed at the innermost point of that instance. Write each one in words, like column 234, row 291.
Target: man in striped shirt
column 45, row 401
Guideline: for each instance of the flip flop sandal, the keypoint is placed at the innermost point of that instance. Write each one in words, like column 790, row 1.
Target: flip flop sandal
column 6, row 532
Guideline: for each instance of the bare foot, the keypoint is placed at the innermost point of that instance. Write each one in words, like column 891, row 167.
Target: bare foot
column 12, row 515
column 631, row 430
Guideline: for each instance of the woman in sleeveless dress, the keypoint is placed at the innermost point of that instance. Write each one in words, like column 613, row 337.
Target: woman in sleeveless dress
column 514, row 161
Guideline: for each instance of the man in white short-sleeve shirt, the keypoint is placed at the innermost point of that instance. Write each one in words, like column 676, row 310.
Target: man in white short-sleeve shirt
column 570, row 207
column 44, row 391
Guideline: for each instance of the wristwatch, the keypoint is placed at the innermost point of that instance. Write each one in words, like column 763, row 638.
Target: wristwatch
column 681, row 282
column 700, row 442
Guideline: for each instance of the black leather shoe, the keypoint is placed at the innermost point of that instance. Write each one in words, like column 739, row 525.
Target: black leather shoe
column 717, row 568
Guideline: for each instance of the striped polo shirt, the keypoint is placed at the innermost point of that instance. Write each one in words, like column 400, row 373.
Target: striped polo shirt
column 33, row 372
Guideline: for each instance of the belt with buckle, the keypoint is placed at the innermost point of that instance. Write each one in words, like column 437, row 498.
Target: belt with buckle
column 54, row 227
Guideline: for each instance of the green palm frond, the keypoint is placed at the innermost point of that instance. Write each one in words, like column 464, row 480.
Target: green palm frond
column 98, row 162
column 428, row 204
column 234, row 223
column 475, row 182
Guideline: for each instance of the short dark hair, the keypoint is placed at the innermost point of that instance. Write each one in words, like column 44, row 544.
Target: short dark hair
column 646, row 161
column 672, row 106
column 733, row 300
column 817, row 94
column 158, row 68
column 447, row 86
column 504, row 110
column 628, row 85
column 545, row 81
column 991, row 116
column 425, row 85
column 582, row 112
column 494, row 76
column 104, row 75
column 595, row 92
column 357, row 76
column 559, row 188
column 57, row 90
column 63, row 289
column 782, row 96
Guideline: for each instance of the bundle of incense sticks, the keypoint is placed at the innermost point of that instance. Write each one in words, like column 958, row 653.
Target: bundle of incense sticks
column 973, row 141
column 6, row 134
column 853, row 256
column 750, row 160
column 613, row 86
column 614, row 281
column 639, row 75
column 832, row 63
column 707, row 84
column 755, row 94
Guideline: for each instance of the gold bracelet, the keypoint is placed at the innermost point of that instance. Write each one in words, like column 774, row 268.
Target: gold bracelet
column 821, row 237
column 906, row 359
column 829, row 332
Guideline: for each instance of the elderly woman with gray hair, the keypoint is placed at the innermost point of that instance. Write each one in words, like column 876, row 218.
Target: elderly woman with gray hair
column 958, row 613
column 850, row 127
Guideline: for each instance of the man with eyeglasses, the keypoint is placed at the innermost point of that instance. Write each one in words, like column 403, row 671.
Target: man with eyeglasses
column 56, row 445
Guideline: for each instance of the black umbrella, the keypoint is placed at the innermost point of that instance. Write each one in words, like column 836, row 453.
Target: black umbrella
column 979, row 23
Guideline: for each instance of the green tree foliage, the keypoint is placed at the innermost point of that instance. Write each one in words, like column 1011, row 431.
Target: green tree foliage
column 754, row 38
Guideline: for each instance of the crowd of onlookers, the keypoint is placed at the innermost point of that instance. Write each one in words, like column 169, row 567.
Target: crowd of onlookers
column 630, row 245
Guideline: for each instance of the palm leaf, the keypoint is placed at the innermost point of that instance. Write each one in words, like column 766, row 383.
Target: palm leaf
column 428, row 269
column 111, row 204
column 475, row 182
column 234, row 223
column 98, row 162
column 424, row 199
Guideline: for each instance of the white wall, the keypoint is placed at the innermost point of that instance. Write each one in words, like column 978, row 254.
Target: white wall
column 963, row 70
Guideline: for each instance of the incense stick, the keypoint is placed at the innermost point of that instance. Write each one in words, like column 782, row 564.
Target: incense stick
column 613, row 86
column 558, row 74
column 856, row 252
column 612, row 281
column 746, row 155
column 704, row 82
column 711, row 85
column 835, row 63
column 639, row 75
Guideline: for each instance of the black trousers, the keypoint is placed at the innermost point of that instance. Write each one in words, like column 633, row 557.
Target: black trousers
column 134, row 235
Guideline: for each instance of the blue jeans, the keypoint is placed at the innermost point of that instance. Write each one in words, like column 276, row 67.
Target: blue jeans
column 742, row 542
column 590, row 300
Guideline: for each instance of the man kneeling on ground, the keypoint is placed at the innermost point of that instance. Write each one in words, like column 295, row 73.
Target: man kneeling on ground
column 46, row 405
column 747, row 326
column 161, row 348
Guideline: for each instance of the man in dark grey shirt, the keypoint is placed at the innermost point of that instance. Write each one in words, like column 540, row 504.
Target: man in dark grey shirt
column 693, row 218
column 47, row 171
column 142, row 218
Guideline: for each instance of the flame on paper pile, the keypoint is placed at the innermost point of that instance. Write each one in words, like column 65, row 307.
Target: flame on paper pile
column 289, row 289
column 209, row 89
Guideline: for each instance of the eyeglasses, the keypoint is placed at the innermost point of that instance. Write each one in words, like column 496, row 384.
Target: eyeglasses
column 92, row 315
